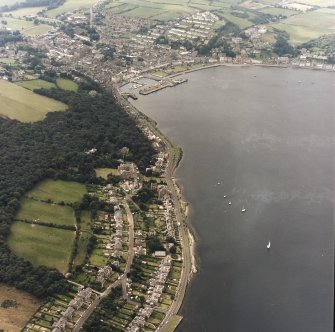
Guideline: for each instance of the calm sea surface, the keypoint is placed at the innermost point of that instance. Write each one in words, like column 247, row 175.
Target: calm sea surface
column 268, row 137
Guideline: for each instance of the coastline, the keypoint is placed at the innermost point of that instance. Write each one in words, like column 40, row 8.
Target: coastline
column 181, row 209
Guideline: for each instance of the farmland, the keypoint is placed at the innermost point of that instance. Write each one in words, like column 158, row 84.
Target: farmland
column 57, row 191
column 70, row 5
column 42, row 245
column 14, row 317
column 23, row 105
column 36, row 84
column 27, row 28
column 33, row 210
column 307, row 26
column 66, row 84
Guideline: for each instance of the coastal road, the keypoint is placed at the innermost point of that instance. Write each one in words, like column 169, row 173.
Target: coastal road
column 183, row 229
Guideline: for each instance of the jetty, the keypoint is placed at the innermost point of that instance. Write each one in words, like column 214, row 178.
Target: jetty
column 129, row 95
column 162, row 85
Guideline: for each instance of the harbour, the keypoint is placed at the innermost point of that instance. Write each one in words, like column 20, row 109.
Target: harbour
column 268, row 142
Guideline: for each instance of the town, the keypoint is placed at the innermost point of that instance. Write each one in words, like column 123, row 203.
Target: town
column 139, row 251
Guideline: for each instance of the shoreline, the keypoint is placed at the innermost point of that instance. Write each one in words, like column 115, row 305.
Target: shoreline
column 175, row 154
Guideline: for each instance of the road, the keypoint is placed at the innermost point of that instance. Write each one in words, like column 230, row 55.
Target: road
column 183, row 229
column 121, row 281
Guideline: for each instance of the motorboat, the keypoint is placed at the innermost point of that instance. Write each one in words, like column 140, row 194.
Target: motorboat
column 268, row 245
column 224, row 196
column 244, row 209
column 229, row 202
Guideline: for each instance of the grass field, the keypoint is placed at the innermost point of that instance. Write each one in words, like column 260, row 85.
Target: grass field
column 27, row 28
column 9, row 2
column 85, row 235
column 320, row 3
column 103, row 172
column 36, row 84
column 7, row 61
column 14, row 319
column 26, row 11
column 42, row 245
column 24, row 105
column 66, row 84
column 44, row 212
column 278, row 11
column 70, row 5
column 310, row 25
column 57, row 191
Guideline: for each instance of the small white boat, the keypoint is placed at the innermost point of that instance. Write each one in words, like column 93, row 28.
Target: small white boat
column 229, row 202
column 219, row 183
column 224, row 196
column 268, row 245
column 244, row 209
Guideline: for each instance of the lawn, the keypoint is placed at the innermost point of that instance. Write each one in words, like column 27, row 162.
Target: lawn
column 173, row 323
column 66, row 84
column 44, row 212
column 36, row 84
column 24, row 105
column 42, row 245
column 58, row 191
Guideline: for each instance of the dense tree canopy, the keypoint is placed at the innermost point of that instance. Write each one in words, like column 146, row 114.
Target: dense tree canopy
column 57, row 147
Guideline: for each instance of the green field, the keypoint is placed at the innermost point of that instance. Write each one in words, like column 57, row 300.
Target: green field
column 66, row 84
column 36, row 84
column 57, row 191
column 70, row 5
column 310, row 25
column 104, row 172
column 24, row 105
column 320, row 3
column 85, row 235
column 27, row 28
column 9, row 2
column 42, row 245
column 47, row 213
column 30, row 11
column 7, row 61
column 278, row 11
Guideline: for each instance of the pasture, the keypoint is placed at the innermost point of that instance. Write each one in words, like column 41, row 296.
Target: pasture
column 66, row 84
column 33, row 210
column 29, row 11
column 58, row 191
column 24, row 105
column 42, row 245
column 15, row 318
column 36, row 84
column 307, row 26
column 70, row 5
column 27, row 28
column 9, row 2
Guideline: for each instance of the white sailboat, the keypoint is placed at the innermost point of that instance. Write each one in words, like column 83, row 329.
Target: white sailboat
column 229, row 202
column 243, row 209
column 224, row 196
column 268, row 245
